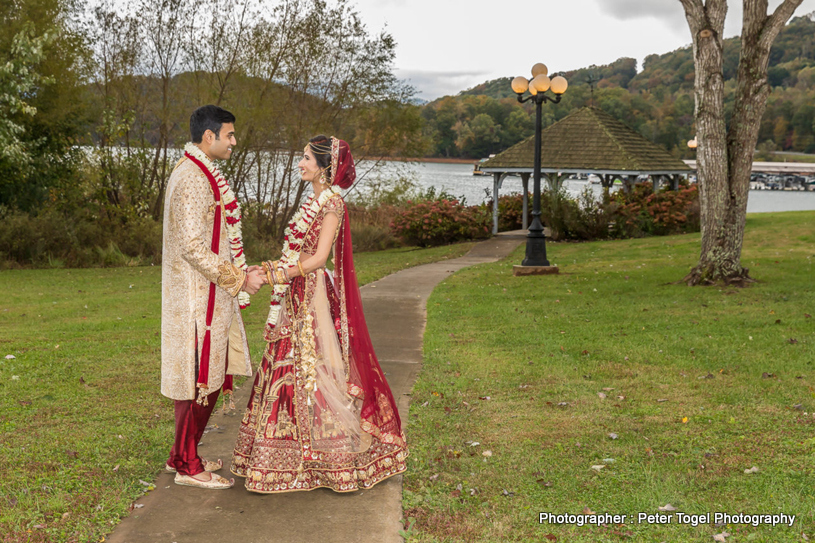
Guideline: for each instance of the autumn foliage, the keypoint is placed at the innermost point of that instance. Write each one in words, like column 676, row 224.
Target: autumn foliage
column 439, row 222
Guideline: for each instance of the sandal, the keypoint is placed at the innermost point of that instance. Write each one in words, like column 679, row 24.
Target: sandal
column 209, row 465
column 215, row 483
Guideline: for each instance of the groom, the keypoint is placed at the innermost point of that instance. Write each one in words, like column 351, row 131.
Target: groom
column 203, row 273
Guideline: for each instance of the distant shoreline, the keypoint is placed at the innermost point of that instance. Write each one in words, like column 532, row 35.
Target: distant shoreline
column 426, row 159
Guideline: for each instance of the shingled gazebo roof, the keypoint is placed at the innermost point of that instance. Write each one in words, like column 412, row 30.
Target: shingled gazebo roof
column 588, row 141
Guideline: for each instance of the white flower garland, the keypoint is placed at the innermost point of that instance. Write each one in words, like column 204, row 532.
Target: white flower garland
column 232, row 210
column 293, row 238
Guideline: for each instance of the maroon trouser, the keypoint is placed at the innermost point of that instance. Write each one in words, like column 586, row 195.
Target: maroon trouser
column 190, row 423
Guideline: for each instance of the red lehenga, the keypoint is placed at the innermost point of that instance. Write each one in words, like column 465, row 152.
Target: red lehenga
column 341, row 428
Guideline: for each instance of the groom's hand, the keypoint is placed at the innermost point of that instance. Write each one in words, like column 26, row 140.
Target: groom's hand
column 254, row 268
column 254, row 280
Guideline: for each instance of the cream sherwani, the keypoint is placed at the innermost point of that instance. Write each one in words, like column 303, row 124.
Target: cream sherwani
column 188, row 267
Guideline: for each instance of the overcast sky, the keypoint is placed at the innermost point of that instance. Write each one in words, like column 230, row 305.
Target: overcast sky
column 446, row 46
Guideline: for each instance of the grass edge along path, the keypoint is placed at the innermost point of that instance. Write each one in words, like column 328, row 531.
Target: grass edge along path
column 611, row 388
column 83, row 427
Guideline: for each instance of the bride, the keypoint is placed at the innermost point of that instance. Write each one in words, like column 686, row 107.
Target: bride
column 321, row 413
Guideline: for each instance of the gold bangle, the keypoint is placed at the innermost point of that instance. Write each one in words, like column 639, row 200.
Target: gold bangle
column 300, row 267
column 269, row 277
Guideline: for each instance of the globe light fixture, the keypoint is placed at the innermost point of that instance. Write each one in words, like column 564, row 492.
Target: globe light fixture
column 559, row 85
column 539, row 69
column 519, row 85
column 693, row 144
column 541, row 83
column 538, row 89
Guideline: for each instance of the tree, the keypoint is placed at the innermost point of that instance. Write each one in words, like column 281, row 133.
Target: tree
column 725, row 154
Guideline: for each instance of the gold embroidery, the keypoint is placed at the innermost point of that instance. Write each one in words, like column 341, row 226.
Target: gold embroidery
column 385, row 407
column 230, row 278
column 284, row 427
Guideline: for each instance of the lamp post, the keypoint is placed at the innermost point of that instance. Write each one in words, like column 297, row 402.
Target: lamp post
column 537, row 87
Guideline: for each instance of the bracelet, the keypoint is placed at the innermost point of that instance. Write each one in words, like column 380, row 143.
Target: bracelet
column 281, row 280
column 268, row 271
column 300, row 267
column 286, row 273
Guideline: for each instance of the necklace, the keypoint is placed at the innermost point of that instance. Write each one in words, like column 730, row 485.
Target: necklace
column 293, row 242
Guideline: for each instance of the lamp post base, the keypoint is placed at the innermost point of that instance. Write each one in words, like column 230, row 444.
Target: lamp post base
column 534, row 270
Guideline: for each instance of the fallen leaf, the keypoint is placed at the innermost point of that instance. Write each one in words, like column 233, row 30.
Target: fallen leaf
column 793, row 341
column 662, row 400
column 551, row 537
column 563, row 404
column 666, row 507
column 456, row 493
column 601, row 395
column 145, row 483
column 116, row 468
column 721, row 537
column 751, row 470
column 486, row 453
column 487, row 398
column 138, row 505
column 434, row 477
column 587, row 511
column 684, row 420
column 10, row 357
column 766, row 375
column 72, row 453
column 608, row 389
column 612, row 435
column 807, row 316
column 597, row 467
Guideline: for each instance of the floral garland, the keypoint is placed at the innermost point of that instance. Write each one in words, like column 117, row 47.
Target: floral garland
column 232, row 212
column 292, row 244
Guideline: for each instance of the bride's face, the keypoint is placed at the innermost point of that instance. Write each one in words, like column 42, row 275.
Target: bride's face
column 309, row 169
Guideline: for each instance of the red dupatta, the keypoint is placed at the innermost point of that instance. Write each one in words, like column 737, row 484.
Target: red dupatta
column 379, row 414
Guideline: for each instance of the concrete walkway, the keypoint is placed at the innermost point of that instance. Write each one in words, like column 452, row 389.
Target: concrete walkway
column 396, row 316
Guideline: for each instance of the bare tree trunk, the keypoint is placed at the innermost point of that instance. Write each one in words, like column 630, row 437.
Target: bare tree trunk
column 725, row 157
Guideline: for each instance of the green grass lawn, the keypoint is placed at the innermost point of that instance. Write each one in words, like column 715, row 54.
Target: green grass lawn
column 528, row 382
column 81, row 417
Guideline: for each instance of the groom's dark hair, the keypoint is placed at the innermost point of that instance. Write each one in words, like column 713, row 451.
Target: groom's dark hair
column 208, row 118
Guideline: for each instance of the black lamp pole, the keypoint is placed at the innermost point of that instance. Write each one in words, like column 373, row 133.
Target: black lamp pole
column 535, row 239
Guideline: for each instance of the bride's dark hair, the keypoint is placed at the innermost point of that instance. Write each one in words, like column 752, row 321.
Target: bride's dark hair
column 320, row 145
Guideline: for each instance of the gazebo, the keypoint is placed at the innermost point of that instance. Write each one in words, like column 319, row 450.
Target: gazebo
column 589, row 141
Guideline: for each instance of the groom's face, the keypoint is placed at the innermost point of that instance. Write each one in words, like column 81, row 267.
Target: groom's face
column 221, row 148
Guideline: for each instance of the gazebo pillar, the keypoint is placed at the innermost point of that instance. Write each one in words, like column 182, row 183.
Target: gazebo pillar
column 656, row 180
column 525, row 182
column 498, row 180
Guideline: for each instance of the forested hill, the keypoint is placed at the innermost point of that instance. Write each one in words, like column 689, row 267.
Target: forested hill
column 658, row 101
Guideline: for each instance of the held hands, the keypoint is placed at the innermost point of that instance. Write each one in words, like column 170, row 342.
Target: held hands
column 255, row 278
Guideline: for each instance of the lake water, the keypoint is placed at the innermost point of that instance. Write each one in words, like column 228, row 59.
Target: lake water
column 458, row 179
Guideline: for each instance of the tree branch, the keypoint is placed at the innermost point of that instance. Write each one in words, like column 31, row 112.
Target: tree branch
column 777, row 20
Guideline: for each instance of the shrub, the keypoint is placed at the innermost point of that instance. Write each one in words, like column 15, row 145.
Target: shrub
column 510, row 211
column 440, row 222
column 642, row 212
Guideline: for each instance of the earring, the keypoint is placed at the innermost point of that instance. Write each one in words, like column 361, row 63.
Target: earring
column 323, row 178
